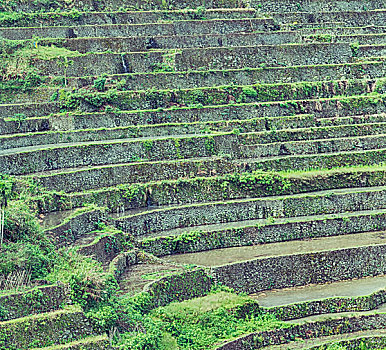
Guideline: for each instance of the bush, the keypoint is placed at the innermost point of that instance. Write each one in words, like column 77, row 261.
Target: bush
column 25, row 247
column 249, row 91
column 91, row 290
column 89, row 284
column 104, row 317
column 21, row 223
column 24, row 256
column 100, row 83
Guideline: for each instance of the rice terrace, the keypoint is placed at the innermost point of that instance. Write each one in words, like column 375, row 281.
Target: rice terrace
column 187, row 175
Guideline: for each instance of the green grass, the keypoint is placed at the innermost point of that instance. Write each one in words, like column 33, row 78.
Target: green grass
column 189, row 309
column 47, row 52
column 71, row 263
column 200, row 323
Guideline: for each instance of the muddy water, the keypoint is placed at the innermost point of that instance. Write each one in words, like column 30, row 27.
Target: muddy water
column 55, row 218
column 136, row 277
column 351, row 288
column 230, row 255
column 239, row 224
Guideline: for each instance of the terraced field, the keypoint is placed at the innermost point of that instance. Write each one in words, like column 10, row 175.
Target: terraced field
column 189, row 148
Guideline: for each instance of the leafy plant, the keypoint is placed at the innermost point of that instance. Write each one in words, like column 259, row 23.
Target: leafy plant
column 100, row 83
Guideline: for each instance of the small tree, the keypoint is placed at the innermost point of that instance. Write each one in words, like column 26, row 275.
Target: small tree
column 65, row 63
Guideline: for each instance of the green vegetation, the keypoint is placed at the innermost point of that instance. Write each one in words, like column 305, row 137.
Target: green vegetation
column 198, row 323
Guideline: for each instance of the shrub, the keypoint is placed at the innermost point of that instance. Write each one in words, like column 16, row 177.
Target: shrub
column 24, row 256
column 20, row 223
column 249, row 91
column 100, row 83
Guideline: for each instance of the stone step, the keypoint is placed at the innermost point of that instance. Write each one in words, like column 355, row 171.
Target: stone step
column 333, row 328
column 321, row 108
column 248, row 76
column 76, row 18
column 253, row 143
column 336, row 263
column 135, row 278
column 335, row 29
column 18, row 112
column 37, row 300
column 158, row 220
column 41, row 94
column 103, row 247
column 257, row 124
column 116, row 96
column 169, row 42
column 226, row 187
column 93, row 101
column 69, row 180
column 354, row 18
column 105, row 176
column 294, row 263
column 65, row 227
column 142, row 43
column 261, row 231
column 315, row 6
column 115, row 5
column 379, row 311
column 365, row 51
column 25, row 160
column 317, row 146
column 204, row 82
column 214, row 26
column 313, row 301
column 266, row 6
column 361, row 39
column 100, row 342
column 51, row 328
column 316, row 161
column 373, row 339
column 129, row 196
column 349, row 18
column 206, row 58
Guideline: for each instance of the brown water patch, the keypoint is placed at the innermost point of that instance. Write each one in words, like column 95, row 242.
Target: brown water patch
column 55, row 218
column 350, row 288
column 224, row 256
column 136, row 277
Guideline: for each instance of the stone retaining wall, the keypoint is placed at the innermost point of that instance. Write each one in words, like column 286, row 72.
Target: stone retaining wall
column 179, row 287
column 328, row 108
column 208, row 58
column 269, row 233
column 306, row 331
column 246, row 77
column 302, row 269
column 230, row 144
column 159, row 220
column 77, row 225
column 371, row 342
column 37, row 300
column 326, row 306
column 45, row 330
column 132, row 30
